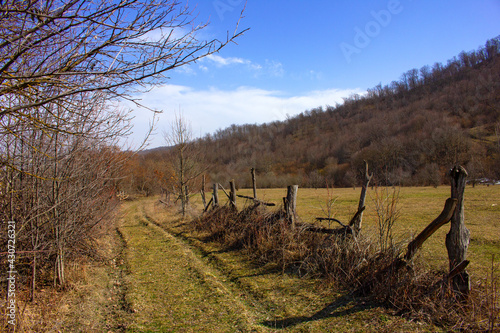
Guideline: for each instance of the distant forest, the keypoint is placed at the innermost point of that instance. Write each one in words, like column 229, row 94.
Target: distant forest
column 410, row 132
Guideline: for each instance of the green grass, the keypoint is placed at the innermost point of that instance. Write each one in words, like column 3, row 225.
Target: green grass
column 176, row 281
column 169, row 289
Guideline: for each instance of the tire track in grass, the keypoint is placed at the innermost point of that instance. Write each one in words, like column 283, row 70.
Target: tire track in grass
column 170, row 289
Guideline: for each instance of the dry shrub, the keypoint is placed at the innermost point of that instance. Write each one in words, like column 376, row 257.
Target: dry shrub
column 269, row 237
column 355, row 264
column 421, row 294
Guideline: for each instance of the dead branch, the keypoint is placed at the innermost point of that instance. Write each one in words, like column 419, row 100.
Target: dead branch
column 331, row 219
column 339, row 231
column 208, row 204
column 442, row 219
column 225, row 192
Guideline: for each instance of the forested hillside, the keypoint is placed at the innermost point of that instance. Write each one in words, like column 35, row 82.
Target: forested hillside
column 410, row 132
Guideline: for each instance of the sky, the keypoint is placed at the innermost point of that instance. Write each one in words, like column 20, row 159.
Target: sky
column 298, row 55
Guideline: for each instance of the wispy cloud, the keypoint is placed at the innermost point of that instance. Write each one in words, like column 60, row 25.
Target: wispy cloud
column 221, row 61
column 274, row 68
column 212, row 109
column 270, row 68
column 172, row 34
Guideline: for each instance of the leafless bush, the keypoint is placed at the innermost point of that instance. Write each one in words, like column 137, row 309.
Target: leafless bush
column 387, row 212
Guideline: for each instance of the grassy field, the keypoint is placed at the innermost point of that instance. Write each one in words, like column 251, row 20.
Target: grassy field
column 268, row 299
column 417, row 207
column 167, row 278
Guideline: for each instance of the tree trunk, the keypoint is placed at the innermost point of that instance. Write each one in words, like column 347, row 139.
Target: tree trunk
column 457, row 240
column 203, row 198
column 216, row 195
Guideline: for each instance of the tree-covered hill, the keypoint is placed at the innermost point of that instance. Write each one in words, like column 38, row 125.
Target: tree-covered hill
column 410, row 132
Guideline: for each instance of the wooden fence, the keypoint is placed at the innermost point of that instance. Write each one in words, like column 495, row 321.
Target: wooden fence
column 457, row 240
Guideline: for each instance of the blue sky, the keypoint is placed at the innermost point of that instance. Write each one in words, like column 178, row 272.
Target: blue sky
column 301, row 54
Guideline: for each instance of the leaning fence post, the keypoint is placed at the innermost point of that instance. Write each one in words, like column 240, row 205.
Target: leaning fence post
column 291, row 203
column 457, row 240
column 356, row 223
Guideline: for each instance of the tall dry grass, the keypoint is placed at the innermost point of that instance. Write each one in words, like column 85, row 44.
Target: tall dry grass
column 357, row 265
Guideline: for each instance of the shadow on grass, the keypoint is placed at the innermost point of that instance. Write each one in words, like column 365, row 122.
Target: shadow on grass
column 343, row 306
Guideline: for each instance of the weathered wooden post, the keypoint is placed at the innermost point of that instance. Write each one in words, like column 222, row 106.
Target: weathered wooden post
column 203, row 198
column 457, row 240
column 291, row 204
column 216, row 195
column 232, row 194
column 254, row 183
column 356, row 223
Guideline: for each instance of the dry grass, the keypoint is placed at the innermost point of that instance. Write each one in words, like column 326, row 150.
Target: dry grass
column 418, row 206
column 414, row 290
column 84, row 305
column 279, row 299
column 270, row 288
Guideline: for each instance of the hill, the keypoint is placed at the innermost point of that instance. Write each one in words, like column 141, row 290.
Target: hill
column 410, row 132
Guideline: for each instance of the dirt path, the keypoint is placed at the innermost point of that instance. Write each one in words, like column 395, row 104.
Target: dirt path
column 169, row 288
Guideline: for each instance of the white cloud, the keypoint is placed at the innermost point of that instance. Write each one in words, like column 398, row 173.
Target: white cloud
column 221, row 61
column 271, row 67
column 212, row 109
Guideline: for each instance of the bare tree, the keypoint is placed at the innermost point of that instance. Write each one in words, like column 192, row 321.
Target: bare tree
column 67, row 53
column 185, row 158
column 78, row 46
column 62, row 66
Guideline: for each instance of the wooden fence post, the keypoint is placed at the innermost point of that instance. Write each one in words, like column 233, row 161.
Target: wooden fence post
column 232, row 194
column 254, row 184
column 203, row 198
column 216, row 195
column 356, row 223
column 291, row 203
column 457, row 240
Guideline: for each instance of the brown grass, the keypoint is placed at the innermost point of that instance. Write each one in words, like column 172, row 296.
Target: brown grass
column 415, row 290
